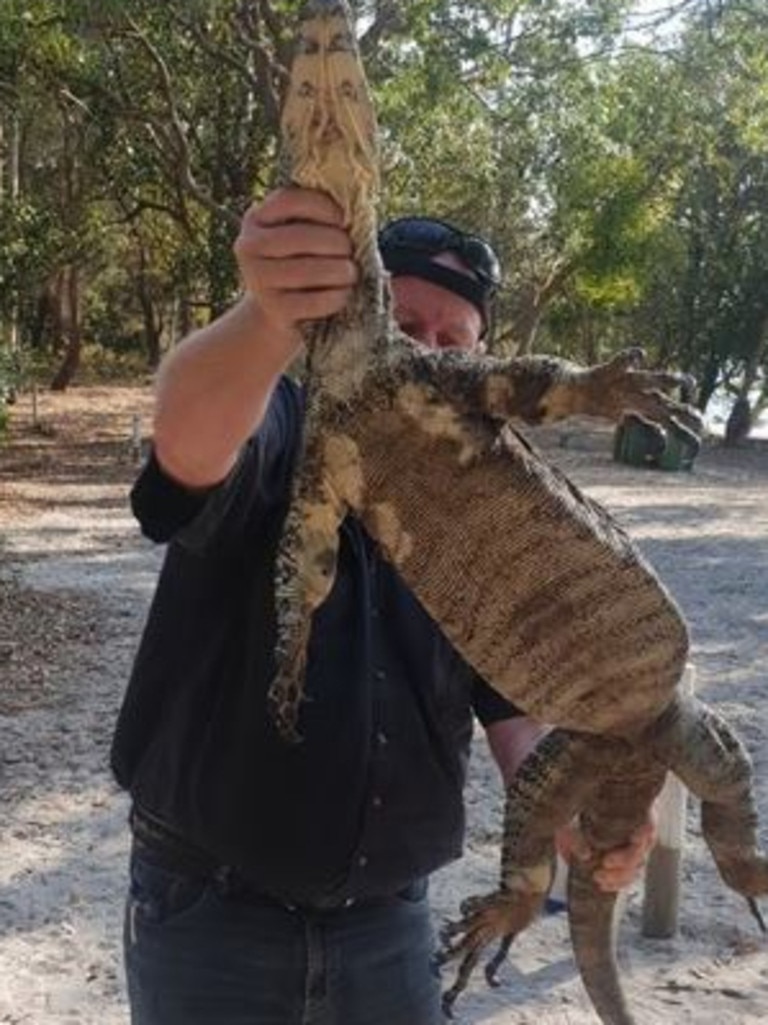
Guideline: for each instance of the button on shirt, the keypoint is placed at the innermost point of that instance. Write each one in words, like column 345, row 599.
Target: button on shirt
column 372, row 796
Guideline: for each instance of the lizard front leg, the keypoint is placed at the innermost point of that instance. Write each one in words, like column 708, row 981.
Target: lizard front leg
column 543, row 389
column 618, row 386
column 305, row 572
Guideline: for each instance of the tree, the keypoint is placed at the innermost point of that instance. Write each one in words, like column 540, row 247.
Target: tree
column 709, row 296
column 625, row 198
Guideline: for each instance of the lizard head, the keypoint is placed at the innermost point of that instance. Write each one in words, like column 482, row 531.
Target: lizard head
column 328, row 124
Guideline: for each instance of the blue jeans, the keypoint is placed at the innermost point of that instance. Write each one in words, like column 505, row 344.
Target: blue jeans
column 196, row 954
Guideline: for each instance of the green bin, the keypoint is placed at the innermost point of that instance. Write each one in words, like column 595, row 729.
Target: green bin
column 637, row 443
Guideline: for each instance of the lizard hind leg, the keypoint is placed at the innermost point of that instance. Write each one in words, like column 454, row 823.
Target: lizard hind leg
column 546, row 792
column 707, row 756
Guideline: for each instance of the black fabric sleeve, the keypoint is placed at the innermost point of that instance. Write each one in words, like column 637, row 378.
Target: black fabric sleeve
column 164, row 507
column 168, row 511
column 489, row 706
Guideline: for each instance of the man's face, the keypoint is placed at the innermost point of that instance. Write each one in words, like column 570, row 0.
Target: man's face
column 432, row 315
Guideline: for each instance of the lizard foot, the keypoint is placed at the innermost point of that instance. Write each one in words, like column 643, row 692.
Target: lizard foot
column 286, row 693
column 284, row 716
column 285, row 697
column 496, row 916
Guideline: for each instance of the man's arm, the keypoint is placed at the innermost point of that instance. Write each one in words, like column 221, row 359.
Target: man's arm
column 511, row 741
column 213, row 390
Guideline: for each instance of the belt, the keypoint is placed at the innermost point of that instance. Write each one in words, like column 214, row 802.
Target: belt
column 166, row 848
column 162, row 846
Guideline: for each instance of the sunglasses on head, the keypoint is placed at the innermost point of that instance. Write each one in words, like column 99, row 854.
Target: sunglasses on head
column 427, row 235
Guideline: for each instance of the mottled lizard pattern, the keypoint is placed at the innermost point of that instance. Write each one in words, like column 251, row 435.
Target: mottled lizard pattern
column 534, row 583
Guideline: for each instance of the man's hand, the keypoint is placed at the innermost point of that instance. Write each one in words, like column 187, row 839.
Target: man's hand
column 295, row 258
column 213, row 390
column 609, row 390
column 618, row 867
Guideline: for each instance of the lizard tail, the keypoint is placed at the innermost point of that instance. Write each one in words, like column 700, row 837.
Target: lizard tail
column 593, row 922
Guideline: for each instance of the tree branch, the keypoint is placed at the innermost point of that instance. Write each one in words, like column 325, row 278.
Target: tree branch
column 387, row 21
column 174, row 132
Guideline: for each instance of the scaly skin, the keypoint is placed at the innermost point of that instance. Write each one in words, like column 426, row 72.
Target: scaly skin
column 382, row 415
column 534, row 584
column 610, row 783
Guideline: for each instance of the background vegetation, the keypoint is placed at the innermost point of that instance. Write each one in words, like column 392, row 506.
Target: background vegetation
column 615, row 153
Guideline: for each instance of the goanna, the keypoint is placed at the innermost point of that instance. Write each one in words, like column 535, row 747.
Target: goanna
column 533, row 583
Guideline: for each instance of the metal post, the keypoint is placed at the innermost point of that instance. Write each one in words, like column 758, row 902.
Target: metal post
column 663, row 872
column 136, row 438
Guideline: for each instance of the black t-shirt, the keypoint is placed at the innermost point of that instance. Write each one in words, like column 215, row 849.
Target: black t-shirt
column 372, row 796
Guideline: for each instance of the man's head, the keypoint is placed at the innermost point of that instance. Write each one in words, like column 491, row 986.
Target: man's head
column 443, row 281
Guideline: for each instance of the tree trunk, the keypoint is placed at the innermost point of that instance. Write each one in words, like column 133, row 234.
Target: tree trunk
column 72, row 205
column 10, row 191
column 708, row 382
column 69, row 317
column 539, row 297
column 153, row 330
column 186, row 322
column 153, row 321
column 45, row 318
column 222, row 273
column 739, row 422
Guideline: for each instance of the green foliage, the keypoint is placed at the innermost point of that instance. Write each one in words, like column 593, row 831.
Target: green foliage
column 707, row 298
column 106, row 363
column 624, row 186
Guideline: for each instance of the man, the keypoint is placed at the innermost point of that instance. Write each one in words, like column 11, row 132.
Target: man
column 276, row 883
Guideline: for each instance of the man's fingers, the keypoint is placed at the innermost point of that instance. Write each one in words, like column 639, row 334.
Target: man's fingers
column 318, row 305
column 297, row 239
column 289, row 241
column 646, row 832
column 295, row 256
column 294, row 204
column 620, row 867
column 611, row 880
column 306, row 273
column 635, row 850
column 571, row 845
column 628, row 858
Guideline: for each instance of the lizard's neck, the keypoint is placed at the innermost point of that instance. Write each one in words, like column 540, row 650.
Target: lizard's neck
column 343, row 350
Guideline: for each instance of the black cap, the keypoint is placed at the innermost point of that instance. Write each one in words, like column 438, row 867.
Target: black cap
column 413, row 262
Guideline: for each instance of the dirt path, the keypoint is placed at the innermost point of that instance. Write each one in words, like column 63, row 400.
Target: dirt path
column 73, row 592
column 75, row 580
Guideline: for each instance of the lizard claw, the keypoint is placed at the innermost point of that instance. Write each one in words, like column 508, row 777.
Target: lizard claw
column 497, row 960
column 284, row 699
column 757, row 914
column 628, row 359
column 496, row 916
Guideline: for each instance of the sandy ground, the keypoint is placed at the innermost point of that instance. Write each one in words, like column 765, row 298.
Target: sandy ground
column 75, row 580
